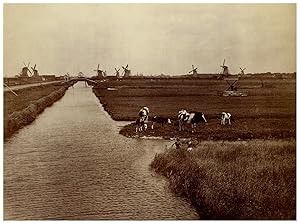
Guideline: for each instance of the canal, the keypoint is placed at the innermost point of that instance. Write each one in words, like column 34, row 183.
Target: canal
column 72, row 163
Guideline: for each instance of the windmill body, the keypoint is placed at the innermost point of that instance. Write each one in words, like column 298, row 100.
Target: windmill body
column 242, row 71
column 100, row 73
column 225, row 68
column 194, row 71
column 67, row 77
column 225, row 73
column 25, row 70
column 35, row 72
column 117, row 73
column 126, row 71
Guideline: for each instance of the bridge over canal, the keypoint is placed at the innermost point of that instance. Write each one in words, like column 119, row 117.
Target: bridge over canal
column 73, row 81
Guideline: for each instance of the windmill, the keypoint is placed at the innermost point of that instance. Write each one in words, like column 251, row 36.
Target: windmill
column 117, row 72
column 126, row 71
column 242, row 71
column 25, row 70
column 35, row 71
column 232, row 89
column 225, row 71
column 67, row 77
column 100, row 73
column 194, row 71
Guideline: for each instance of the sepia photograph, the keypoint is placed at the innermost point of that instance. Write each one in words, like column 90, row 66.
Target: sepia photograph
column 139, row 111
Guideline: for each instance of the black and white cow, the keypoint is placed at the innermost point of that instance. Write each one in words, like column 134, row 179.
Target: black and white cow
column 192, row 118
column 139, row 124
column 143, row 118
column 225, row 116
column 160, row 120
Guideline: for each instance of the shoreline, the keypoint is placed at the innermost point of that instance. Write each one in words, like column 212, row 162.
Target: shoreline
column 22, row 117
column 170, row 131
column 227, row 133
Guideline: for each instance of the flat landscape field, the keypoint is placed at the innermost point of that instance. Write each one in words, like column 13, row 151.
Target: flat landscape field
column 22, row 109
column 268, row 112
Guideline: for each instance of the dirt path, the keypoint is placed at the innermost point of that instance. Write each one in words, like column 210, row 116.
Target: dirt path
column 28, row 85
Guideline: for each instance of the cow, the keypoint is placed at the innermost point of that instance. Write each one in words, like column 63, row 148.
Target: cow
column 225, row 116
column 139, row 124
column 143, row 116
column 160, row 120
column 192, row 118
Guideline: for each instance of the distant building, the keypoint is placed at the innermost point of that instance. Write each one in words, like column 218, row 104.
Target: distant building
column 48, row 77
column 12, row 81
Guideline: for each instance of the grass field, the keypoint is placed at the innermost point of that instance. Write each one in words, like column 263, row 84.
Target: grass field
column 234, row 180
column 14, row 103
column 23, row 109
column 267, row 112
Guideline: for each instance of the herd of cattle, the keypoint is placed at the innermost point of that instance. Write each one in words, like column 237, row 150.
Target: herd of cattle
column 183, row 117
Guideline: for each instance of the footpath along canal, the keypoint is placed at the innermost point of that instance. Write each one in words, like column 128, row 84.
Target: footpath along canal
column 72, row 163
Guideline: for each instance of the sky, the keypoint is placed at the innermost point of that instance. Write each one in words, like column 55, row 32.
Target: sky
column 152, row 39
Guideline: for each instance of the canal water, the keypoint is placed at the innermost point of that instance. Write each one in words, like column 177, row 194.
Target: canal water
column 71, row 163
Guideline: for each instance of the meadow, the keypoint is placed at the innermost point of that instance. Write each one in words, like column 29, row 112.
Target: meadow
column 21, row 110
column 14, row 103
column 267, row 112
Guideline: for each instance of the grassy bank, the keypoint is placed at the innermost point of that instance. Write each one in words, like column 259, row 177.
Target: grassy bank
column 14, row 103
column 23, row 109
column 234, row 180
column 240, row 129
